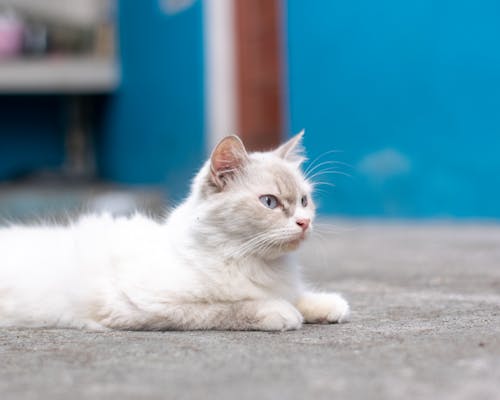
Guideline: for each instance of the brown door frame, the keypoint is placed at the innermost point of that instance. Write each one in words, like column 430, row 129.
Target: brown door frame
column 259, row 72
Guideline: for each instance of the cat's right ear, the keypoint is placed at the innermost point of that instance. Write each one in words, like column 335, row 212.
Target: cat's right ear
column 228, row 158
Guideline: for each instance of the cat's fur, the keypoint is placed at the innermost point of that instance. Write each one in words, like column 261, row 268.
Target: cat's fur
column 219, row 261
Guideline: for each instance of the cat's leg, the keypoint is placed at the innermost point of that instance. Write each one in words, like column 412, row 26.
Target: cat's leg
column 323, row 307
column 272, row 315
column 264, row 315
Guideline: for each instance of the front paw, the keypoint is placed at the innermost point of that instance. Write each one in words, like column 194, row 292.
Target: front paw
column 323, row 308
column 278, row 315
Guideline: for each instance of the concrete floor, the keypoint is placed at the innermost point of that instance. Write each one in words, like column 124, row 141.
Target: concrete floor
column 425, row 325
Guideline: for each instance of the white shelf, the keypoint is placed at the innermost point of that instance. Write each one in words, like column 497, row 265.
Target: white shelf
column 59, row 75
column 75, row 12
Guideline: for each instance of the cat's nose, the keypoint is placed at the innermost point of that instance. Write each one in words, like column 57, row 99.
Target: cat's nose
column 303, row 223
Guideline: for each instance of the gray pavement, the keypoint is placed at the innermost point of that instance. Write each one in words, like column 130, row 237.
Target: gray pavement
column 425, row 325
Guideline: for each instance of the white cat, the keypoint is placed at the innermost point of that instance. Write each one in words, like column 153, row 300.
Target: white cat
column 219, row 261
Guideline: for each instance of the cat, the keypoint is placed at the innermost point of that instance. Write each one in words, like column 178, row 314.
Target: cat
column 221, row 260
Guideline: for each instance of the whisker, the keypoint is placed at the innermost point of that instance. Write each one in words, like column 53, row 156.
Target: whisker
column 323, row 243
column 264, row 240
column 319, row 183
column 332, row 162
column 329, row 172
column 327, row 230
column 321, row 156
column 332, row 228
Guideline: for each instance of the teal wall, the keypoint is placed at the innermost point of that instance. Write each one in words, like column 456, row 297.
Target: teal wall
column 153, row 132
column 410, row 93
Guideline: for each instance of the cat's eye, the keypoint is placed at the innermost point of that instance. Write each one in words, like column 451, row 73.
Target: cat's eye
column 269, row 201
column 304, row 201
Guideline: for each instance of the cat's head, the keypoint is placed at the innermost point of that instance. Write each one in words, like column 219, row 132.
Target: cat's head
column 256, row 204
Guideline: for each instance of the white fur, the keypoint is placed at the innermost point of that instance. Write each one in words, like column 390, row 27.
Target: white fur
column 187, row 272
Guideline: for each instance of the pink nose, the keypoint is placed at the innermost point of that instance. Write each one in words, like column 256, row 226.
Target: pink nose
column 303, row 223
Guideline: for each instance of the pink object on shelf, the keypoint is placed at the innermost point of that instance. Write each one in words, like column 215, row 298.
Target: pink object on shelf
column 11, row 36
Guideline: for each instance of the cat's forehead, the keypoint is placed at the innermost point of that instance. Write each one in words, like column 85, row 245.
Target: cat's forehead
column 276, row 176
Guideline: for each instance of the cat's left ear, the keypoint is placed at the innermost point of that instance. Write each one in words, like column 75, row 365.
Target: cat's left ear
column 228, row 158
column 292, row 150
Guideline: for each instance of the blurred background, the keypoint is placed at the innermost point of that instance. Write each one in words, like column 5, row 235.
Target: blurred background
column 114, row 104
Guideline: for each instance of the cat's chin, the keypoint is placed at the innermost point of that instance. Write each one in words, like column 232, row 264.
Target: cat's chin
column 282, row 249
column 293, row 244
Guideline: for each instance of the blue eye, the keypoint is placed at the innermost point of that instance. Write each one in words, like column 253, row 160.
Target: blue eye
column 269, row 201
column 304, row 201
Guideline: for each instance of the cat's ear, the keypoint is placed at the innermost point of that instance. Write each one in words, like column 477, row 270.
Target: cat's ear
column 228, row 158
column 292, row 150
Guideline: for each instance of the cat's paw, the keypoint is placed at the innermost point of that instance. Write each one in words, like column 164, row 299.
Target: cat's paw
column 323, row 308
column 279, row 315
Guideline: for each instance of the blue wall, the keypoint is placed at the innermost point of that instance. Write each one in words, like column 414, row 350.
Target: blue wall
column 153, row 133
column 410, row 92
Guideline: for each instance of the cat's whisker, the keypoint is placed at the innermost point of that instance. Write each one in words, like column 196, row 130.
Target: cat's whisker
column 318, row 224
column 329, row 172
column 333, row 229
column 318, row 190
column 327, row 231
column 323, row 245
column 251, row 244
column 327, row 163
column 325, row 225
column 318, row 158
column 323, row 183
column 266, row 241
